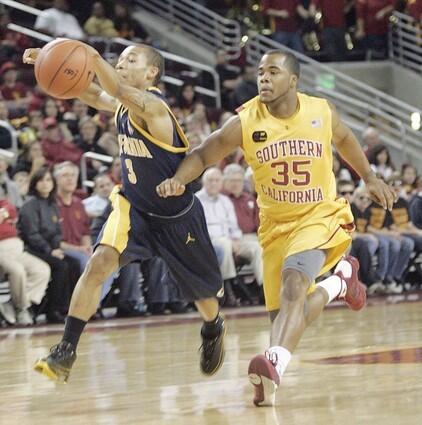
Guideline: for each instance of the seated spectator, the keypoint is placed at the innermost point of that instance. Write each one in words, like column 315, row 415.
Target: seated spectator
column 28, row 276
column 372, row 25
column 98, row 24
column 6, row 129
column 130, row 302
column 340, row 172
column 55, row 148
column 229, row 78
column 380, row 161
column 57, row 22
column 21, row 178
column 284, row 23
column 415, row 208
column 365, row 245
column 400, row 218
column 414, row 9
column 8, row 188
column 223, row 227
column 247, row 88
column 97, row 203
column 75, row 223
column 247, row 214
column 197, row 122
column 334, row 27
column 73, row 117
column 12, row 43
column 126, row 26
column 15, row 93
column 108, row 140
column 399, row 249
column 115, row 171
column 410, row 180
column 186, row 99
column 370, row 139
column 31, row 159
column 39, row 227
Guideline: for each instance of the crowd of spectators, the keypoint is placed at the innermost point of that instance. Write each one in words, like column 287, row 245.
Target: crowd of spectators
column 325, row 29
column 50, row 215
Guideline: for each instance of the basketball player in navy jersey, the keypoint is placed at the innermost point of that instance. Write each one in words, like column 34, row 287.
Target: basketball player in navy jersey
column 152, row 145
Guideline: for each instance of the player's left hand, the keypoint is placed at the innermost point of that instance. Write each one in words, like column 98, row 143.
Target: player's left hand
column 170, row 187
column 380, row 192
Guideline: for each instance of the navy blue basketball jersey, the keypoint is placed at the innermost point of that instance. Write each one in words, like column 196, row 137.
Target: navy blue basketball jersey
column 146, row 162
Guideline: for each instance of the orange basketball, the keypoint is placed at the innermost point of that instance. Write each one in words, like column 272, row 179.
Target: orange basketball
column 64, row 69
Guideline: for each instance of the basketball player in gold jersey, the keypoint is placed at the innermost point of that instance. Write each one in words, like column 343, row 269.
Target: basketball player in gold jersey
column 304, row 230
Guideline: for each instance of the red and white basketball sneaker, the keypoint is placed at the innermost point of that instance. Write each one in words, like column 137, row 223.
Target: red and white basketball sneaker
column 265, row 379
column 355, row 296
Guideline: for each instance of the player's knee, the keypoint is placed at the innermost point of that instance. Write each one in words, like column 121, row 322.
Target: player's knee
column 101, row 265
column 295, row 285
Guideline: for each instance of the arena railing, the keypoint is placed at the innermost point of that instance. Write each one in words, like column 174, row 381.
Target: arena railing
column 405, row 41
column 92, row 156
column 206, row 26
column 213, row 93
column 363, row 103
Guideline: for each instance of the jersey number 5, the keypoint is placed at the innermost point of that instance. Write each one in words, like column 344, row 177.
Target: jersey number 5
column 300, row 177
column 130, row 171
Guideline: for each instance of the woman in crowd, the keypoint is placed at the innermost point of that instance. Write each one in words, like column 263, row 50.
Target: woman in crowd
column 39, row 227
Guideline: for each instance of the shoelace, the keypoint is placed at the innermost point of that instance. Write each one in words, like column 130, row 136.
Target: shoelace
column 272, row 357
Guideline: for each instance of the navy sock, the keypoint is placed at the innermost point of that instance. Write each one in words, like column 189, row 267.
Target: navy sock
column 73, row 330
column 213, row 328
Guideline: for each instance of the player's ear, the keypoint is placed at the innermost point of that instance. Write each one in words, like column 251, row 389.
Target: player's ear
column 152, row 73
column 293, row 81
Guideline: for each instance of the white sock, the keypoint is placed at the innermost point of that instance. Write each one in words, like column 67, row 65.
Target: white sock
column 283, row 358
column 334, row 286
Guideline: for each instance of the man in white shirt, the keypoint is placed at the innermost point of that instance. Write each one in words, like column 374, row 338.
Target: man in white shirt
column 223, row 226
column 97, row 203
column 58, row 23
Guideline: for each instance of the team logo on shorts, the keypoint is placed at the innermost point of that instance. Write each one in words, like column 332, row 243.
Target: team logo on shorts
column 189, row 238
column 259, row 136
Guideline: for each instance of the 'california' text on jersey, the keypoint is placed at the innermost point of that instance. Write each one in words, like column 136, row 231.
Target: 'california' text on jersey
column 146, row 162
column 291, row 158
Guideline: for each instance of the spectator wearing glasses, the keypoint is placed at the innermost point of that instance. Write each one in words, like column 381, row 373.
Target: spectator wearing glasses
column 364, row 245
column 400, row 247
column 400, row 219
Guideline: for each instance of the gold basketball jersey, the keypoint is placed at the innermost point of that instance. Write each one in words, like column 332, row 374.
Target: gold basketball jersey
column 291, row 158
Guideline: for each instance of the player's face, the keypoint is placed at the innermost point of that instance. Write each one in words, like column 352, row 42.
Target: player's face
column 133, row 67
column 274, row 79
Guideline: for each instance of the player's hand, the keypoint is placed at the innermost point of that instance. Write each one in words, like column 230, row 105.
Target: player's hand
column 381, row 193
column 170, row 187
column 30, row 56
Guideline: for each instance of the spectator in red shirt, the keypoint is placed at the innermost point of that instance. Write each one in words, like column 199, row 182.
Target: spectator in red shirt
column 28, row 275
column 414, row 9
column 334, row 26
column 245, row 205
column 14, row 92
column 247, row 214
column 283, row 15
column 372, row 25
column 12, row 43
column 55, row 148
column 75, row 222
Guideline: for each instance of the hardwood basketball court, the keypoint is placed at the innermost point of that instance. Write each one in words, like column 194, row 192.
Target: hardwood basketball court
column 350, row 369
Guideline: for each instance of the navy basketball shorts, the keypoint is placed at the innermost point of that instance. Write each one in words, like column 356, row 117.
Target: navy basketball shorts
column 181, row 241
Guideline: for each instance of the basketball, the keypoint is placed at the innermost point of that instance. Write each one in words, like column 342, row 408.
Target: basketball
column 64, row 69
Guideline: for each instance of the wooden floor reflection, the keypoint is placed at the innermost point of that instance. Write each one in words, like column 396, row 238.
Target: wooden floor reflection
column 146, row 372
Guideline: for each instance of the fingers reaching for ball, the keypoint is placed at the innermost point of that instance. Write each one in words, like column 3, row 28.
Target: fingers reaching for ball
column 30, row 56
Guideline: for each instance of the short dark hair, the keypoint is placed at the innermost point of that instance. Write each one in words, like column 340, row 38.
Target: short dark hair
column 291, row 60
column 155, row 58
column 36, row 177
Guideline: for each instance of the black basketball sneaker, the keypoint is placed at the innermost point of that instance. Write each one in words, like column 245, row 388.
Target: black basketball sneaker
column 212, row 350
column 58, row 363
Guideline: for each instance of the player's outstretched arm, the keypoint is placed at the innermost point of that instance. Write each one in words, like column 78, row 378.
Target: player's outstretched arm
column 350, row 150
column 140, row 102
column 216, row 147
